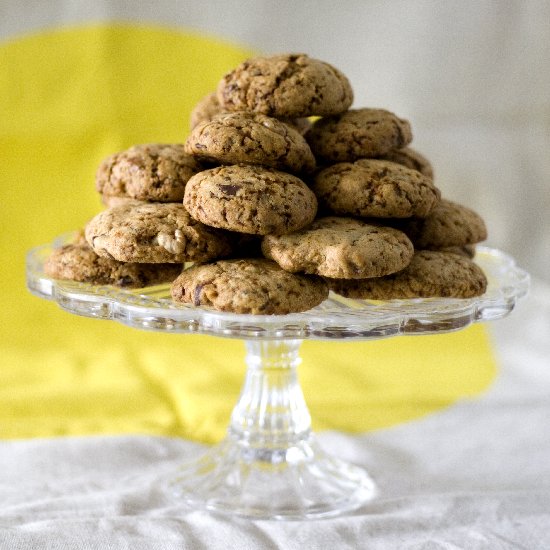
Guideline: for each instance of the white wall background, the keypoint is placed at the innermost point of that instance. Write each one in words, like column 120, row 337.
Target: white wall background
column 473, row 77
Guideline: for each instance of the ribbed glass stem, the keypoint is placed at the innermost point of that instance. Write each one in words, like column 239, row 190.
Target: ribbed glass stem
column 269, row 466
column 271, row 411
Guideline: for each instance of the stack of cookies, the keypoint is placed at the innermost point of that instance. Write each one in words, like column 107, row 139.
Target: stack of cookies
column 274, row 207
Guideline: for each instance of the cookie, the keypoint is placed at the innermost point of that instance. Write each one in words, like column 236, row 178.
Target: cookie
column 290, row 85
column 151, row 172
column 375, row 188
column 301, row 125
column 411, row 159
column 155, row 233
column 250, row 199
column 78, row 262
column 449, row 224
column 209, row 107
column 79, row 238
column 250, row 138
column 358, row 133
column 431, row 274
column 113, row 200
column 256, row 286
column 205, row 110
column 468, row 250
column 341, row 248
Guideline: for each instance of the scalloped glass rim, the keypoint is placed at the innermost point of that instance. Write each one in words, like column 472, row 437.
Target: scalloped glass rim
column 336, row 318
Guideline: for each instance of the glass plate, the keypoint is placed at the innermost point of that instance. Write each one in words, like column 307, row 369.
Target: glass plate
column 270, row 466
column 337, row 317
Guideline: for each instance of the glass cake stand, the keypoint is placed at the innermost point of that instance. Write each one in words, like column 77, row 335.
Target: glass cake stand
column 269, row 465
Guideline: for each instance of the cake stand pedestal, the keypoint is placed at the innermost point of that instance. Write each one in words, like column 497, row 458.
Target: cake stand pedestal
column 269, row 465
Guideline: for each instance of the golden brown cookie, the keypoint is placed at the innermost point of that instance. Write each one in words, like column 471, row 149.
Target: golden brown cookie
column 114, row 200
column 301, row 125
column 250, row 138
column 341, row 248
column 468, row 250
column 151, row 172
column 358, row 133
column 256, row 286
column 206, row 109
column 78, row 262
column 449, row 224
column 431, row 274
column 250, row 199
column 209, row 107
column 375, row 188
column 410, row 158
column 155, row 233
column 290, row 85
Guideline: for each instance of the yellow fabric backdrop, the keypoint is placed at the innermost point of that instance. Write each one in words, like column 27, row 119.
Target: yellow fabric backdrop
column 70, row 97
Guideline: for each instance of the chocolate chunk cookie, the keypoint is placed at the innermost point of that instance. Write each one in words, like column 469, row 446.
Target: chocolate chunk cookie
column 290, row 85
column 250, row 199
column 114, row 200
column 155, row 233
column 431, row 274
column 341, row 248
column 358, row 133
column 206, row 109
column 468, row 250
column 256, row 286
column 209, row 107
column 250, row 138
column 78, row 262
column 375, row 188
column 411, row 159
column 449, row 224
column 301, row 125
column 152, row 172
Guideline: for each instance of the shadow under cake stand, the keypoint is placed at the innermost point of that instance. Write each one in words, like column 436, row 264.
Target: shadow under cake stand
column 270, row 465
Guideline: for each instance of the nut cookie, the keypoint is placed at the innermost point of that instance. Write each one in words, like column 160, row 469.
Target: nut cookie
column 206, row 109
column 250, row 199
column 250, row 138
column 431, row 274
column 375, row 188
column 78, row 262
column 114, row 200
column 290, row 85
column 79, row 238
column 449, row 224
column 301, row 125
column 209, row 107
column 151, row 172
column 411, row 159
column 358, row 133
column 468, row 250
column 155, row 233
column 341, row 248
column 256, row 286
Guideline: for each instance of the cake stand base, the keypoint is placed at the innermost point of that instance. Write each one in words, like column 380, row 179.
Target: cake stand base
column 270, row 466
column 301, row 482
